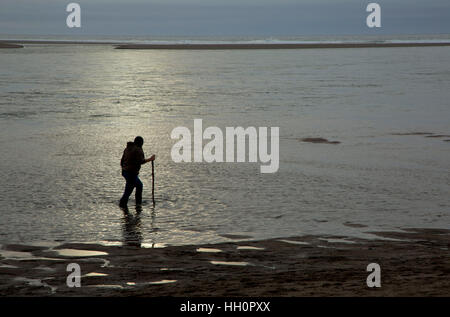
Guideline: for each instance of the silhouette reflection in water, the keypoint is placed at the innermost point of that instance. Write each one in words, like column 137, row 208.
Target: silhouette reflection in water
column 132, row 227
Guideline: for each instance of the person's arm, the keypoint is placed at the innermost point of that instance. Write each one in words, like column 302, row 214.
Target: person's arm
column 122, row 159
column 152, row 158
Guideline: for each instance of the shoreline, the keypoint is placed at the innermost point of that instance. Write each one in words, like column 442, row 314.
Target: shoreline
column 414, row 262
column 220, row 46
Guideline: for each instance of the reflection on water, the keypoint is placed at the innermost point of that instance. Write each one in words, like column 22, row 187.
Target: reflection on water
column 247, row 247
column 61, row 138
column 209, row 250
column 151, row 283
column 112, row 286
column 230, row 263
column 79, row 253
column 132, row 227
column 294, row 242
column 95, row 274
column 162, row 282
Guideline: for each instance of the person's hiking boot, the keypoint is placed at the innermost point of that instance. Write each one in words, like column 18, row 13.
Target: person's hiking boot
column 122, row 204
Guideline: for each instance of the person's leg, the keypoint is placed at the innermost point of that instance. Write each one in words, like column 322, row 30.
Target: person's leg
column 129, row 186
column 138, row 193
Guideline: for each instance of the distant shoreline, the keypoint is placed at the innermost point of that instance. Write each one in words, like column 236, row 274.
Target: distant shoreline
column 220, row 46
column 241, row 46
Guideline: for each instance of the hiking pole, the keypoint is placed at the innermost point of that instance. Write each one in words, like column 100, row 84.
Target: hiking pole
column 153, row 183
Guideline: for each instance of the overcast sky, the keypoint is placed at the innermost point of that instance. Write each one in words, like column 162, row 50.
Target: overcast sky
column 224, row 17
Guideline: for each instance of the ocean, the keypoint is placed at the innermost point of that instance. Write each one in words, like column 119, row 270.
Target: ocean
column 67, row 112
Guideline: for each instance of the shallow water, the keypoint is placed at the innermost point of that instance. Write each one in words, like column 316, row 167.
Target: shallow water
column 230, row 263
column 66, row 113
column 79, row 253
column 245, row 247
column 208, row 250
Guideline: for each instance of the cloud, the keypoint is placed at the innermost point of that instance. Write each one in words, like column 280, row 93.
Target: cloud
column 223, row 17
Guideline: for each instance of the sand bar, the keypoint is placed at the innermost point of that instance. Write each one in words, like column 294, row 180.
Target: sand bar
column 9, row 45
column 241, row 46
column 53, row 42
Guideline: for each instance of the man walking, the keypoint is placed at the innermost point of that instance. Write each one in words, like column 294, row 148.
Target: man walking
column 132, row 159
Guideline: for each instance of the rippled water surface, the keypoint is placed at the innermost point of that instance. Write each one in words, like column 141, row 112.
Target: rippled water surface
column 67, row 111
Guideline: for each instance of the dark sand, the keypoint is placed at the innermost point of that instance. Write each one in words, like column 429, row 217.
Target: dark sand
column 319, row 140
column 438, row 136
column 417, row 263
column 50, row 42
column 8, row 45
column 424, row 134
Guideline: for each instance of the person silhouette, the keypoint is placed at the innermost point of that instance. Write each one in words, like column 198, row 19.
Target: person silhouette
column 132, row 159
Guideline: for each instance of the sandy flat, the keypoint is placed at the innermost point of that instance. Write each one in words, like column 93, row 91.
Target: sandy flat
column 414, row 262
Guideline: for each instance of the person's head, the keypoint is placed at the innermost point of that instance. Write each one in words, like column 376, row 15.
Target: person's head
column 139, row 141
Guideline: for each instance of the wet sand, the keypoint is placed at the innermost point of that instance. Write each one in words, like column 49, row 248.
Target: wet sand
column 319, row 140
column 54, row 42
column 415, row 262
column 8, row 45
column 430, row 135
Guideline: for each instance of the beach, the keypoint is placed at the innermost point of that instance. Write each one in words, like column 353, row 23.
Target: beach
column 413, row 262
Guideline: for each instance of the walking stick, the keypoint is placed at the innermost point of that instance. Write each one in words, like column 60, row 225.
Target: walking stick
column 153, row 183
